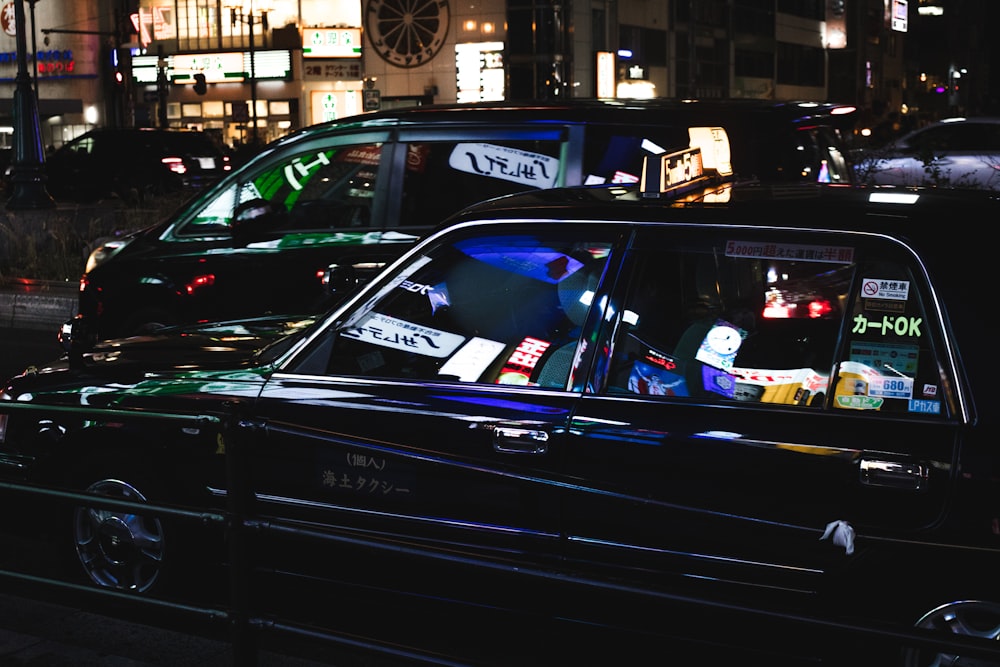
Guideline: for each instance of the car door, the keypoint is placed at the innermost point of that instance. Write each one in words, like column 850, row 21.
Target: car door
column 764, row 387
column 292, row 217
column 427, row 424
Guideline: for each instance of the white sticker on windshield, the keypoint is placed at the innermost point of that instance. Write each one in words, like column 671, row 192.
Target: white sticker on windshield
column 509, row 164
column 474, row 358
column 392, row 332
column 881, row 288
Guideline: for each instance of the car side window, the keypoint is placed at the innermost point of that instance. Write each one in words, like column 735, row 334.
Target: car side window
column 888, row 362
column 499, row 309
column 615, row 154
column 443, row 177
column 738, row 320
column 332, row 187
column 84, row 145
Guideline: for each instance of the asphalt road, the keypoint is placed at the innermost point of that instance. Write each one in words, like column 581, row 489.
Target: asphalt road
column 36, row 633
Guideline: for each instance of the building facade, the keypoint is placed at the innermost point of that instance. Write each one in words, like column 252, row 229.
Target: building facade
column 254, row 70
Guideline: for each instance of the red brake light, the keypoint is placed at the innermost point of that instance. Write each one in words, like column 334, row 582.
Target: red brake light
column 819, row 308
column 200, row 281
column 175, row 164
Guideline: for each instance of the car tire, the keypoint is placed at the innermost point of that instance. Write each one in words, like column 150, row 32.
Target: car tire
column 125, row 550
column 970, row 618
column 120, row 549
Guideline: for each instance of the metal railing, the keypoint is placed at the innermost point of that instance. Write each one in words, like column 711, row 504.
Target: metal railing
column 246, row 625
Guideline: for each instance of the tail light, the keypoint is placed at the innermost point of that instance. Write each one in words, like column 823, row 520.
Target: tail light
column 198, row 282
column 175, row 164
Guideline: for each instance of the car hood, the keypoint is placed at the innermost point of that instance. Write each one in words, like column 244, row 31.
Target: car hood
column 182, row 350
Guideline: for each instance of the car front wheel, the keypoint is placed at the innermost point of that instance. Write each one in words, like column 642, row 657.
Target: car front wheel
column 118, row 548
column 972, row 618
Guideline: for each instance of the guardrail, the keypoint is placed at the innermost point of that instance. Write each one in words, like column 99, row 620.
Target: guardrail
column 246, row 625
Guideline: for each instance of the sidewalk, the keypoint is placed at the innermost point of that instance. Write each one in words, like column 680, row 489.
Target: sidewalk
column 41, row 634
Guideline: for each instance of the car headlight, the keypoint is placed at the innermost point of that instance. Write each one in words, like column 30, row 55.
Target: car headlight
column 104, row 252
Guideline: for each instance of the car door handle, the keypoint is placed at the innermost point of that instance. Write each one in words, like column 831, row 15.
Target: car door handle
column 513, row 440
column 895, row 474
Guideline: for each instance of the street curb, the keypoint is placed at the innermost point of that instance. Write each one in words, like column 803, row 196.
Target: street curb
column 36, row 304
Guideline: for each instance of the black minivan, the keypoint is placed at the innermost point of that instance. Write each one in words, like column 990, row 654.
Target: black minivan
column 358, row 191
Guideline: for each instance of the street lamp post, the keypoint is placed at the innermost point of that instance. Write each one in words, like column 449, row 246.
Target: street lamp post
column 34, row 48
column 245, row 14
column 27, row 176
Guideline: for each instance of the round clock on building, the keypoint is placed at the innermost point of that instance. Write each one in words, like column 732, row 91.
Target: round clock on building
column 407, row 33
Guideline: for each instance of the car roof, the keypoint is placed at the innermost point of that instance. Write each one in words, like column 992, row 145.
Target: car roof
column 805, row 205
column 955, row 120
column 966, row 119
column 583, row 110
column 752, row 124
column 919, row 217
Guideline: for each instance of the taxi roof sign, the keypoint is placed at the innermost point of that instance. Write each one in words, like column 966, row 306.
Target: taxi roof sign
column 708, row 155
column 715, row 150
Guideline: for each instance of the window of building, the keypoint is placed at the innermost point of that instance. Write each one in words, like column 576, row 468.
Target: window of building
column 800, row 65
column 754, row 17
column 808, row 9
column 754, row 63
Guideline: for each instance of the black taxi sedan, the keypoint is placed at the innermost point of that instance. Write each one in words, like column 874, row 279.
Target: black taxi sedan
column 729, row 414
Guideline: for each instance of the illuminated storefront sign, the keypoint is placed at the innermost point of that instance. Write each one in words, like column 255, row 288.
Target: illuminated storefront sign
column 155, row 22
column 331, row 42
column 607, row 76
column 51, row 63
column 479, row 71
column 899, row 15
column 232, row 67
column 331, row 69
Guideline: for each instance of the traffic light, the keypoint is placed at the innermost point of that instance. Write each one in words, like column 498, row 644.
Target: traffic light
column 199, row 84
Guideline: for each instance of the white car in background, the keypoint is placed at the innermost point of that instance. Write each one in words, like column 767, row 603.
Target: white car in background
column 954, row 152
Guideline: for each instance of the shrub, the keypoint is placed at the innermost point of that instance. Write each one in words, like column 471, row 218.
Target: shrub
column 53, row 244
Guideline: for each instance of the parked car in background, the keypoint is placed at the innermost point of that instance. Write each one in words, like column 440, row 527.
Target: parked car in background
column 359, row 191
column 132, row 163
column 612, row 411
column 953, row 153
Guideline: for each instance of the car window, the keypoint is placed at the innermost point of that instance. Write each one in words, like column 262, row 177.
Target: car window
column 888, row 363
column 614, row 154
column 958, row 137
column 332, row 187
column 84, row 145
column 192, row 143
column 713, row 321
column 746, row 320
column 443, row 177
column 816, row 157
column 499, row 309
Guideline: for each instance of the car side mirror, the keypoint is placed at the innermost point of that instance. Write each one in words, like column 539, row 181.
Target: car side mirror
column 340, row 279
column 75, row 339
column 255, row 220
